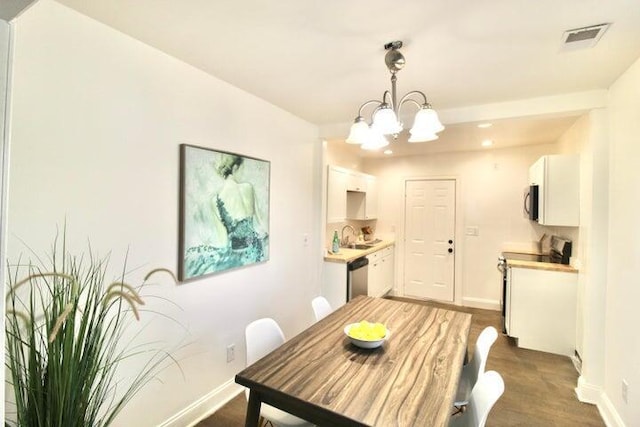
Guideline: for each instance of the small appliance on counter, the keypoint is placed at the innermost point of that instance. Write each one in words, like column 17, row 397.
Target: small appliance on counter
column 367, row 233
column 560, row 250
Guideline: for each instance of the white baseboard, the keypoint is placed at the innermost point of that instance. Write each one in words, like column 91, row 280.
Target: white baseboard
column 609, row 414
column 589, row 393
column 487, row 304
column 205, row 406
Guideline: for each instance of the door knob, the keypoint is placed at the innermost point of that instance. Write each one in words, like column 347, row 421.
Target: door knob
column 450, row 250
column 450, row 242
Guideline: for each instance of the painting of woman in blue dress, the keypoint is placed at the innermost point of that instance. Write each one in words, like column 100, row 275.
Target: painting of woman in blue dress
column 225, row 211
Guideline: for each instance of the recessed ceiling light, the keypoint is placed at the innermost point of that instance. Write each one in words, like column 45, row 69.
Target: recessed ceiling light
column 485, row 125
column 487, row 143
column 388, row 152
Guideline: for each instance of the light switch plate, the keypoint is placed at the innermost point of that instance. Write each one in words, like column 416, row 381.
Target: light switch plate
column 471, row 231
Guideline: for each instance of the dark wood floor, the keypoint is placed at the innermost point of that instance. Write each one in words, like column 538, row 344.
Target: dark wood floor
column 539, row 387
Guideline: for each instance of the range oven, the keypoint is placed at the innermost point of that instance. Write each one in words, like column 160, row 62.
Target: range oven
column 502, row 268
column 560, row 253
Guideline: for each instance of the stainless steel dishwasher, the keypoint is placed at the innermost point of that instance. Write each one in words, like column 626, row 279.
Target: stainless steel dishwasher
column 357, row 277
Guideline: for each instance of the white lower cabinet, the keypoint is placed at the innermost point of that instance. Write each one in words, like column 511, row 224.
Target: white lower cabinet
column 541, row 309
column 381, row 272
column 334, row 284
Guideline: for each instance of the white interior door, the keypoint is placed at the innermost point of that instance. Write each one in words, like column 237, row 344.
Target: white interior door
column 429, row 260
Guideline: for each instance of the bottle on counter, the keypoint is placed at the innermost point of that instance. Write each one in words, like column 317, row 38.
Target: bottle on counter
column 335, row 244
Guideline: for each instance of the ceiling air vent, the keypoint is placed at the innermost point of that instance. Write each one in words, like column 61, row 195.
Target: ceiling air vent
column 583, row 38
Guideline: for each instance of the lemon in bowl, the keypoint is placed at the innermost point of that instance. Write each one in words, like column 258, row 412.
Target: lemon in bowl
column 366, row 334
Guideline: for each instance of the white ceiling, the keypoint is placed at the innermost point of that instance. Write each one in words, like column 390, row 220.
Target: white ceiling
column 321, row 59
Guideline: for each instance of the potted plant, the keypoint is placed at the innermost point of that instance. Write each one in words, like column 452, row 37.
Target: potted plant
column 64, row 327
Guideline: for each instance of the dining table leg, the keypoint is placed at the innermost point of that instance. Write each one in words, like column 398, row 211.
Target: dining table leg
column 253, row 409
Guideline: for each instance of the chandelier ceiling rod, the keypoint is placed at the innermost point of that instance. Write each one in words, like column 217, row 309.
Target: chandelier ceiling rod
column 385, row 116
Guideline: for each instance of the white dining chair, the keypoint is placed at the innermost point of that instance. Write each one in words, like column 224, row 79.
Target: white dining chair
column 263, row 336
column 484, row 395
column 472, row 370
column 321, row 307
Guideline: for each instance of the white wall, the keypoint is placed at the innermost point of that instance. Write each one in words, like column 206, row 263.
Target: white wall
column 337, row 153
column 622, row 346
column 490, row 187
column 96, row 120
column 589, row 137
column 4, row 151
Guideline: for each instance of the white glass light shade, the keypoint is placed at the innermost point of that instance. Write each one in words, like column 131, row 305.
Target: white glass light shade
column 386, row 122
column 359, row 132
column 422, row 137
column 375, row 141
column 426, row 122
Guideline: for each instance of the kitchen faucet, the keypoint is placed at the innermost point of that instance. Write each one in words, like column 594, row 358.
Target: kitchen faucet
column 345, row 241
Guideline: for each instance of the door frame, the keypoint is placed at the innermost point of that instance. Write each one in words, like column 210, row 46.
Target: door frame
column 458, row 227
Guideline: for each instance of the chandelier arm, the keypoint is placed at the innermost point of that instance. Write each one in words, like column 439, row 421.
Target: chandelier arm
column 389, row 98
column 407, row 98
column 373, row 101
column 416, row 103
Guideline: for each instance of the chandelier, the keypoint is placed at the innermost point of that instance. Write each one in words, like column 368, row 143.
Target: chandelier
column 385, row 115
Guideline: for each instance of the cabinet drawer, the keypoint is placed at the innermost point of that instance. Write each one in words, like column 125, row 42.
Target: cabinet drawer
column 374, row 257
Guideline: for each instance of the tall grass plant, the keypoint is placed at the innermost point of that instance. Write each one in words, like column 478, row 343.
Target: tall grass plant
column 65, row 330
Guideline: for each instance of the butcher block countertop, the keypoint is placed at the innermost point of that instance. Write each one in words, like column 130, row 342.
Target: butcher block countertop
column 346, row 255
column 549, row 266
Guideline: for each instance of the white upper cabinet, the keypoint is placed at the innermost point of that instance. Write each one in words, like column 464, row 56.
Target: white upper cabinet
column 558, row 181
column 350, row 195
column 356, row 181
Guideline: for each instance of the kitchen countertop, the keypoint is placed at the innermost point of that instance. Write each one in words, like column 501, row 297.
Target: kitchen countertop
column 549, row 266
column 346, row 255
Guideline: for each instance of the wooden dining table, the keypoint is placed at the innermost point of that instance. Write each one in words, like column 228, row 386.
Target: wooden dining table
column 320, row 376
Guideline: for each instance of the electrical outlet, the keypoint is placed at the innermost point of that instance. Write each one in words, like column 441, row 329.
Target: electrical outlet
column 625, row 390
column 231, row 352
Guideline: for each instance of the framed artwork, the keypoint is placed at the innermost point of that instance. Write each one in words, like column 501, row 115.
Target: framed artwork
column 224, row 211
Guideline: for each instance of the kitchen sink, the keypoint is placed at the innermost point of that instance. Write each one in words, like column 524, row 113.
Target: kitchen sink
column 357, row 246
column 361, row 246
column 373, row 242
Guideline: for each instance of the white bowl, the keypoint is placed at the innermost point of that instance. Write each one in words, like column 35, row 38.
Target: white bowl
column 365, row 343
